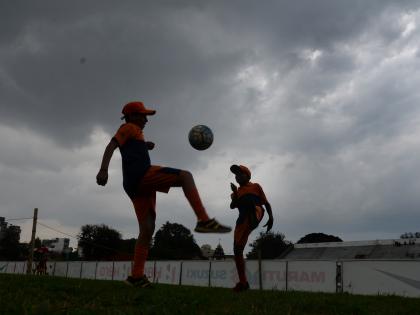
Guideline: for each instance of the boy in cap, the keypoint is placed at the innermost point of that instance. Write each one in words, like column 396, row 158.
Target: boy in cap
column 249, row 198
column 141, row 180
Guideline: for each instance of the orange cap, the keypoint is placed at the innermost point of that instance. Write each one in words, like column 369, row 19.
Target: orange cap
column 235, row 169
column 137, row 107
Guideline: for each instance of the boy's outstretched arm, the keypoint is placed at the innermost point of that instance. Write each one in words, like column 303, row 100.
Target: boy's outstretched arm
column 269, row 223
column 102, row 177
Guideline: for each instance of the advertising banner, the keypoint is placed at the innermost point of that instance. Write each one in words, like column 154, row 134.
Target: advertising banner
column 317, row 276
column 104, row 270
column 74, row 268
column 122, row 269
column 167, row 272
column 50, row 267
column 252, row 273
column 11, row 267
column 89, row 269
column 149, row 270
column 60, row 269
column 195, row 273
column 223, row 274
column 20, row 267
column 3, row 266
column 273, row 273
column 382, row 277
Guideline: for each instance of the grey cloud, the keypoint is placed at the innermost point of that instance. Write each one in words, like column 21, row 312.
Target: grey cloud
column 134, row 51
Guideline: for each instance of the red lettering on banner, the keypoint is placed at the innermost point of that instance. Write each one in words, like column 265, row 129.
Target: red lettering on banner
column 158, row 273
column 317, row 276
column 292, row 276
column 271, row 275
column 304, row 277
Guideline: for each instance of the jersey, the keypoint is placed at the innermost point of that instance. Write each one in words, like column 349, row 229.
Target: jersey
column 134, row 154
column 249, row 200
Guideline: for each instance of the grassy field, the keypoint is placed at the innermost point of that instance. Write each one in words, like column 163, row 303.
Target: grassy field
column 21, row 294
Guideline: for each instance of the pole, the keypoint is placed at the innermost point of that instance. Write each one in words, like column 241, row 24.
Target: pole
column 32, row 244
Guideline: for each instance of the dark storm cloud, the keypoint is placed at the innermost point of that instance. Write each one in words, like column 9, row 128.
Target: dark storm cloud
column 181, row 57
column 128, row 54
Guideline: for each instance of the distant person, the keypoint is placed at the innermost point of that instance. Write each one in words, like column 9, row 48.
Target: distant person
column 41, row 255
column 141, row 180
column 249, row 198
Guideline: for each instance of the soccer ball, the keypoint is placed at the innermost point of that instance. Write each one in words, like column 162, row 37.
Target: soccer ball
column 200, row 137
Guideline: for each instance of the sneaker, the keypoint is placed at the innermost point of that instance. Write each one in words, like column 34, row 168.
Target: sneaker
column 141, row 282
column 211, row 226
column 239, row 287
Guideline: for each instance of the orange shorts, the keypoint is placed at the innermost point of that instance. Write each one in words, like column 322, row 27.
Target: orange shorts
column 241, row 234
column 244, row 229
column 157, row 178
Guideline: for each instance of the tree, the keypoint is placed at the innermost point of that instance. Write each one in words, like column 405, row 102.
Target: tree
column 270, row 244
column 219, row 253
column 174, row 241
column 99, row 242
column 126, row 249
column 410, row 235
column 318, row 238
column 10, row 248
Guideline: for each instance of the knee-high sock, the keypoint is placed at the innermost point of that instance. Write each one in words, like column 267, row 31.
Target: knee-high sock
column 240, row 267
column 140, row 256
column 195, row 202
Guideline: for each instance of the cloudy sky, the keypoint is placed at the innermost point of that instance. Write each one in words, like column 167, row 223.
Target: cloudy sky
column 319, row 98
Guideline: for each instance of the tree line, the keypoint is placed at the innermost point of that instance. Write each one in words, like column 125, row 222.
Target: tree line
column 172, row 241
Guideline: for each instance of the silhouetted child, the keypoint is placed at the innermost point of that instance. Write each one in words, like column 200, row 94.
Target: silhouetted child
column 249, row 198
column 141, row 180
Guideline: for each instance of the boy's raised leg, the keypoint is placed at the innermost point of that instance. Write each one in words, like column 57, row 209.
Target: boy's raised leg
column 204, row 224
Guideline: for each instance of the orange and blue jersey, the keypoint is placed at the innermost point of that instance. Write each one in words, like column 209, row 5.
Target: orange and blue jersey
column 249, row 200
column 134, row 154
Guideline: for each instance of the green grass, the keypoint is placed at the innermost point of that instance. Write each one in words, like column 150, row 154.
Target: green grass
column 21, row 294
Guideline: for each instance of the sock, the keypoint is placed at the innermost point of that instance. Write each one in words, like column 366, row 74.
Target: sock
column 195, row 202
column 240, row 267
column 140, row 256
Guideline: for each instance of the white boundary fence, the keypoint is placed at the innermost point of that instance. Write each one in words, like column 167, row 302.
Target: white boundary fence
column 370, row 277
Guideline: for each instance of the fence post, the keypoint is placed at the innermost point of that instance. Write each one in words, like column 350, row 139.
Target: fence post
column 259, row 269
column 287, row 275
column 81, row 269
column 339, row 277
column 210, row 274
column 180, row 272
column 112, row 274
column 96, row 269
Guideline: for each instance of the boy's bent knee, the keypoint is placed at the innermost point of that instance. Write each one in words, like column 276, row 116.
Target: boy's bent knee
column 186, row 174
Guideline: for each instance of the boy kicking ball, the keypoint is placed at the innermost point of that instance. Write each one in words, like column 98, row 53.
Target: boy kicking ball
column 141, row 181
column 249, row 198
